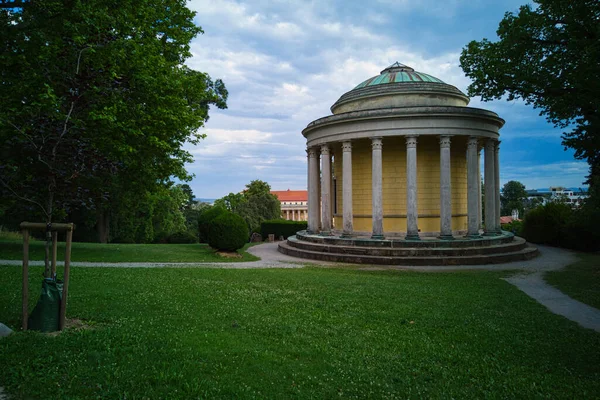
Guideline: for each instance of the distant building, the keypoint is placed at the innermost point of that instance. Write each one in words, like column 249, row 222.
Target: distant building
column 541, row 196
column 558, row 193
column 570, row 196
column 294, row 204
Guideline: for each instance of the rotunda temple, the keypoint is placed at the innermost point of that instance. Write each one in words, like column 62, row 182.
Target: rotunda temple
column 394, row 175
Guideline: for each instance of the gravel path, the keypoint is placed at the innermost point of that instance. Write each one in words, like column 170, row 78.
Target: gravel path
column 529, row 280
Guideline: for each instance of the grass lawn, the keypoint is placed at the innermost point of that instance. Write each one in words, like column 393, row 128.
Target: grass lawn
column 304, row 333
column 580, row 280
column 112, row 252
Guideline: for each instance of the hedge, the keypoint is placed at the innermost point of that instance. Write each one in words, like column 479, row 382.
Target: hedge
column 227, row 232
column 281, row 227
column 547, row 224
column 182, row 237
column 557, row 224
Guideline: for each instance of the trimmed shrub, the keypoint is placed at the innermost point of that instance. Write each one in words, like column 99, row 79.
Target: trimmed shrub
column 547, row 224
column 205, row 219
column 227, row 232
column 281, row 227
column 182, row 237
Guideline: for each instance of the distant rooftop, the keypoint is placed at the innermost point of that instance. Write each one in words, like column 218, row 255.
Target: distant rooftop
column 291, row 195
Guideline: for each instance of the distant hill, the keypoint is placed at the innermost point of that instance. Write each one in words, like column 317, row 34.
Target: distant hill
column 202, row 200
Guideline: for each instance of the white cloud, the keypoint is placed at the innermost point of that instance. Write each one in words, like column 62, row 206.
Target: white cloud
column 286, row 63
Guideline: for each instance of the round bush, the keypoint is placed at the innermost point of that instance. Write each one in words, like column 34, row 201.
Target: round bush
column 205, row 219
column 227, row 232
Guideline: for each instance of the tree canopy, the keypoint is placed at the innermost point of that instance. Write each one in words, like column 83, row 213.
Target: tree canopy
column 97, row 101
column 255, row 204
column 513, row 197
column 547, row 55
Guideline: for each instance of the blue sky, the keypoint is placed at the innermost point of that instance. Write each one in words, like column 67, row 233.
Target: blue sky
column 286, row 62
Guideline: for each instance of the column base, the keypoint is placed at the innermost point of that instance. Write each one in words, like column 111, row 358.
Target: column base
column 377, row 237
column 325, row 233
column 412, row 237
column 487, row 234
column 446, row 237
column 473, row 236
column 346, row 235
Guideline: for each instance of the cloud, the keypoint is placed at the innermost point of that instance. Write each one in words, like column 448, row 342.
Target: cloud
column 286, row 63
column 569, row 174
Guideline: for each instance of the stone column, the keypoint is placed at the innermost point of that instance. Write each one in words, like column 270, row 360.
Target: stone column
column 480, row 216
column 445, row 189
column 377, row 188
column 319, row 213
column 313, row 193
column 497, row 186
column 490, row 190
column 412, row 225
column 332, row 195
column 472, row 188
column 325, row 191
column 347, row 188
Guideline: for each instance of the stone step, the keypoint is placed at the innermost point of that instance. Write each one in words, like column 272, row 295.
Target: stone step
column 526, row 253
column 505, row 237
column 514, row 246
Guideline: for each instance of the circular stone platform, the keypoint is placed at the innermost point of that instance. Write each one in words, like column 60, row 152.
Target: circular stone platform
column 429, row 251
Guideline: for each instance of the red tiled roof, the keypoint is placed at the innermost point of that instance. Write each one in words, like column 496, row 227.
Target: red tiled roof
column 507, row 220
column 291, row 195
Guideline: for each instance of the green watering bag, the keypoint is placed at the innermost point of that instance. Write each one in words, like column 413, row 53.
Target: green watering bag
column 45, row 315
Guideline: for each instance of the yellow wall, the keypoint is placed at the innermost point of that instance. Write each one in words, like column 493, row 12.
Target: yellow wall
column 394, row 184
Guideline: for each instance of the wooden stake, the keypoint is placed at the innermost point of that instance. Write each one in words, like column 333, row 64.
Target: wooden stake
column 63, row 303
column 54, row 247
column 25, row 287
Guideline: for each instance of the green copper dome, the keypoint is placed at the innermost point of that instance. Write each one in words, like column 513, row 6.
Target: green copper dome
column 398, row 73
column 400, row 86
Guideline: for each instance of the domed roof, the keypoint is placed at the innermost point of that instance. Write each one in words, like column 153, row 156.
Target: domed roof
column 399, row 86
column 396, row 73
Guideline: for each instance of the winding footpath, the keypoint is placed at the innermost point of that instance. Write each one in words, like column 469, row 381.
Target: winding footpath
column 529, row 279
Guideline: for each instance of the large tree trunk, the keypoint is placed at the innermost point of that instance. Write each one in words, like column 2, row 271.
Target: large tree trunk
column 103, row 224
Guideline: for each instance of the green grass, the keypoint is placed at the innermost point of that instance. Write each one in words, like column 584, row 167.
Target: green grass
column 580, row 280
column 13, row 250
column 303, row 333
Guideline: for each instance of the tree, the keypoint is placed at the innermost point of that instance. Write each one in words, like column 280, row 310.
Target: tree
column 513, row 197
column 96, row 104
column 231, row 202
column 548, row 56
column 255, row 204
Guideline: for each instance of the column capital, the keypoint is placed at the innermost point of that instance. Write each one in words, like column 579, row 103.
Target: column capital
column 472, row 143
column 311, row 152
column 490, row 144
column 411, row 141
column 346, row 146
column 497, row 145
column 376, row 143
column 445, row 141
column 325, row 150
